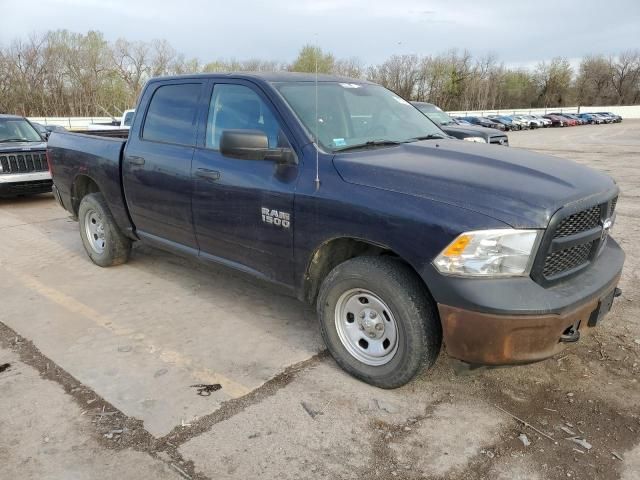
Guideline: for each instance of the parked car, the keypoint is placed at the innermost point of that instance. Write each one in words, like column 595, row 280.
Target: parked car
column 603, row 117
column 523, row 124
column 579, row 121
column 568, row 121
column 556, row 120
column 484, row 122
column 45, row 130
column 545, row 121
column 400, row 237
column 23, row 165
column 508, row 123
column 612, row 116
column 461, row 121
column 464, row 132
column 532, row 121
column 591, row 119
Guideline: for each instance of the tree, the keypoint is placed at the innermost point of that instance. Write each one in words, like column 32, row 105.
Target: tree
column 399, row 73
column 593, row 84
column 307, row 58
column 60, row 73
column 517, row 89
column 348, row 67
column 554, row 82
column 625, row 75
column 131, row 59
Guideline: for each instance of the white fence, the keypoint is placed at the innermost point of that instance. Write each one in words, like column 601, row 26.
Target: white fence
column 630, row 111
column 71, row 123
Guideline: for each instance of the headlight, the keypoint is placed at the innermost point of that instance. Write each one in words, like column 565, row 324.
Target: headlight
column 475, row 139
column 489, row 253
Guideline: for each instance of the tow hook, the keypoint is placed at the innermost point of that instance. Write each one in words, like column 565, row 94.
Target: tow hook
column 617, row 292
column 571, row 334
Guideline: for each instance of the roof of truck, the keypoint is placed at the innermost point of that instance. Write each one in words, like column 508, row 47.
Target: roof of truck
column 270, row 77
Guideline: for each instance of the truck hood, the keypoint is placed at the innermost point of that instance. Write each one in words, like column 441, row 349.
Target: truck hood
column 473, row 130
column 520, row 188
column 22, row 146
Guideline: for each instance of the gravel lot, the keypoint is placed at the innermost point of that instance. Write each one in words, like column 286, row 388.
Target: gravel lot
column 102, row 364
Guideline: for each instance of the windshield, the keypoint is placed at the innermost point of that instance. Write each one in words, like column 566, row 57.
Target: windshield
column 17, row 130
column 351, row 114
column 438, row 116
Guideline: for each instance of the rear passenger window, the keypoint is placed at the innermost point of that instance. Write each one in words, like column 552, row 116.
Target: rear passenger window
column 172, row 113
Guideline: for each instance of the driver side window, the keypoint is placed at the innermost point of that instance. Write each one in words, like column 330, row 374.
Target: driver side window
column 236, row 107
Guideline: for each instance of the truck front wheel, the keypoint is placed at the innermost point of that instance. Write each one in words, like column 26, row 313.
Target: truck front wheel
column 378, row 321
column 101, row 237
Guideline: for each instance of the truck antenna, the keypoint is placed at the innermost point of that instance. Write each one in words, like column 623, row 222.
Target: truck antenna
column 317, row 180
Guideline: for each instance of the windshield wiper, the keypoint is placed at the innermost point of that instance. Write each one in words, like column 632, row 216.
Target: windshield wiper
column 431, row 136
column 371, row 143
column 14, row 140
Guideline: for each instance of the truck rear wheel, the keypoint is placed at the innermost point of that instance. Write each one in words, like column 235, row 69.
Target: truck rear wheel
column 378, row 321
column 101, row 237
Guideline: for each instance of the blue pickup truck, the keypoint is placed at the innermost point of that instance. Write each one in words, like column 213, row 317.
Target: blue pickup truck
column 348, row 197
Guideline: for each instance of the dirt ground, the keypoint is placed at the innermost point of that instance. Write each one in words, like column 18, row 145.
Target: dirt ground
column 101, row 370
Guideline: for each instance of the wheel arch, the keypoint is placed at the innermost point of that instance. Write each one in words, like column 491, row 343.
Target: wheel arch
column 337, row 250
column 82, row 186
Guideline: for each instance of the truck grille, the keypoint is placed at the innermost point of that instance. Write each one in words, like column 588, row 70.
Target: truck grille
column 573, row 241
column 23, row 162
column 566, row 259
column 579, row 222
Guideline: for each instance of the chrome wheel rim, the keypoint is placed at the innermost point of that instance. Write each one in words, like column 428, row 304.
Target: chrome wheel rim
column 94, row 229
column 366, row 327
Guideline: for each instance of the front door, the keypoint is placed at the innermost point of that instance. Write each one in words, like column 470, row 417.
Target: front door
column 243, row 209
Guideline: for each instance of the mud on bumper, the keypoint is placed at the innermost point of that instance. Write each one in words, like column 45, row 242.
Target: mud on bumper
column 498, row 322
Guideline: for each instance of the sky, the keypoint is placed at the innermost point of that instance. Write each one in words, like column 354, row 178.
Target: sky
column 518, row 33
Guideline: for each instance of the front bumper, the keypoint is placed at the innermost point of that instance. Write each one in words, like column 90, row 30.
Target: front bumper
column 25, row 183
column 511, row 321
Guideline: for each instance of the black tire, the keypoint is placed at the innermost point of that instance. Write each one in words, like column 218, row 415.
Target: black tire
column 419, row 334
column 117, row 247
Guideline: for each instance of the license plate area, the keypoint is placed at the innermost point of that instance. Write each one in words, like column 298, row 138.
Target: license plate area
column 604, row 305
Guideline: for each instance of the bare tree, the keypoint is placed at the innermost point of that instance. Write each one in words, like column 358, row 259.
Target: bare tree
column 65, row 73
column 399, row 73
column 594, row 83
column 131, row 60
column 625, row 74
column 554, row 82
column 348, row 67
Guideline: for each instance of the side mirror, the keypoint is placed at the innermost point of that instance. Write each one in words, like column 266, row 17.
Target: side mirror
column 253, row 145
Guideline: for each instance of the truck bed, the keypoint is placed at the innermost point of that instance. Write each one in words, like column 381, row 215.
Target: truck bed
column 78, row 159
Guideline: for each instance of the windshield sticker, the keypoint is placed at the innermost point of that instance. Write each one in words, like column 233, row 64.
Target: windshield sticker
column 401, row 100
column 339, row 142
column 350, row 85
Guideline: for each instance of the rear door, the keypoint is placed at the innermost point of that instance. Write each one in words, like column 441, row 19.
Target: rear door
column 243, row 209
column 157, row 162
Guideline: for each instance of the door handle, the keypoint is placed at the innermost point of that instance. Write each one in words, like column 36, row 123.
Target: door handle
column 134, row 160
column 207, row 174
